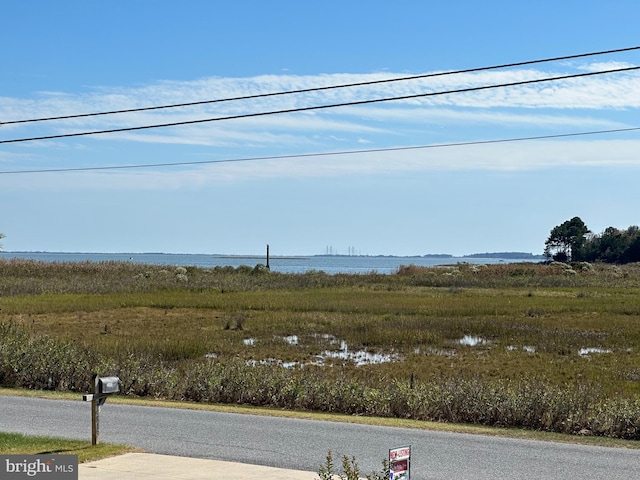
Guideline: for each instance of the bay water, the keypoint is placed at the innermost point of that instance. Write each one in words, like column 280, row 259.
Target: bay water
column 331, row 264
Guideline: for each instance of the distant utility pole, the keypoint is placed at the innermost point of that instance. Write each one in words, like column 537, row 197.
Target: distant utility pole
column 268, row 268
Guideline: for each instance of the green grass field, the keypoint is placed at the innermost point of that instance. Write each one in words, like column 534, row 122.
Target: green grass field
column 14, row 444
column 551, row 339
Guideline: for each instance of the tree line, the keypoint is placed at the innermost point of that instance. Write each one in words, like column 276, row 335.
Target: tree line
column 573, row 241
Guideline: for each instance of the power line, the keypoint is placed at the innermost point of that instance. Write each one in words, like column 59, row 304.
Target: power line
column 325, row 154
column 319, row 107
column 317, row 89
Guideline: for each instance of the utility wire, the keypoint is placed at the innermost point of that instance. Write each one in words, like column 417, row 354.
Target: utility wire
column 331, row 87
column 324, row 154
column 319, row 107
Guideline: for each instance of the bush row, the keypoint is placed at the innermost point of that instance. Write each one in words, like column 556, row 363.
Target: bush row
column 45, row 363
column 29, row 277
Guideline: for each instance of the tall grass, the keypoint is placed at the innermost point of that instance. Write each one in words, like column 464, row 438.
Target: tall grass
column 153, row 326
column 525, row 403
column 29, row 277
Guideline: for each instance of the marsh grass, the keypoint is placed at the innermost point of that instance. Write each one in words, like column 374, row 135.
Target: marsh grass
column 220, row 335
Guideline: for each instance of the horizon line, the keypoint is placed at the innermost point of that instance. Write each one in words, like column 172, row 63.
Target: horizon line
column 253, row 255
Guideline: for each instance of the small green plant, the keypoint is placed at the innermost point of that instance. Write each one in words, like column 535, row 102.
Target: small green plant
column 325, row 472
column 350, row 470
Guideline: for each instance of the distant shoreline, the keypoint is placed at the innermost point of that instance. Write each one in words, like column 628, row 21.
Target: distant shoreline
column 505, row 255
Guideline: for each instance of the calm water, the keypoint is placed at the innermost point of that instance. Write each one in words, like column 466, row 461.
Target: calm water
column 327, row 263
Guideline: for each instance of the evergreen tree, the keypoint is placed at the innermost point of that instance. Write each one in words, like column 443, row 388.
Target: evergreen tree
column 566, row 241
column 572, row 241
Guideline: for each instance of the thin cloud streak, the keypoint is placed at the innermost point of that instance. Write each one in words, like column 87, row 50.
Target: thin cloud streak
column 479, row 117
column 526, row 156
column 590, row 103
column 598, row 90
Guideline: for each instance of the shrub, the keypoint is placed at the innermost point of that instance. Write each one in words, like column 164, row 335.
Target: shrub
column 350, row 470
column 44, row 363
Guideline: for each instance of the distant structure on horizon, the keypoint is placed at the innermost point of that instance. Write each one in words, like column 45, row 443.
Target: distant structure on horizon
column 351, row 251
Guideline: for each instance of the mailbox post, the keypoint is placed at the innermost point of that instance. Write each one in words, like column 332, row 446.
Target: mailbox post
column 102, row 387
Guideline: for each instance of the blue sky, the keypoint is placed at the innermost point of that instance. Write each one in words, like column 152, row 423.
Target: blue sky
column 61, row 58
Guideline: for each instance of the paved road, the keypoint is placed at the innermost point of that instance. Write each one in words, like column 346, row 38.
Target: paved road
column 303, row 444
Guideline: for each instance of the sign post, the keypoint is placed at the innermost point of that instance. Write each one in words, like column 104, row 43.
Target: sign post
column 400, row 463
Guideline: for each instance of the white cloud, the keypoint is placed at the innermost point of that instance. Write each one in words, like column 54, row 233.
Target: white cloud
column 607, row 91
column 291, row 130
column 589, row 103
column 479, row 116
column 601, row 66
column 520, row 156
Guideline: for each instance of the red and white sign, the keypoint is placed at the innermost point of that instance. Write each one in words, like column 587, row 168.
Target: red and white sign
column 399, row 462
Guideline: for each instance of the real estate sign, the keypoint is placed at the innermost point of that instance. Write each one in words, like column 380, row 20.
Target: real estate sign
column 400, row 463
